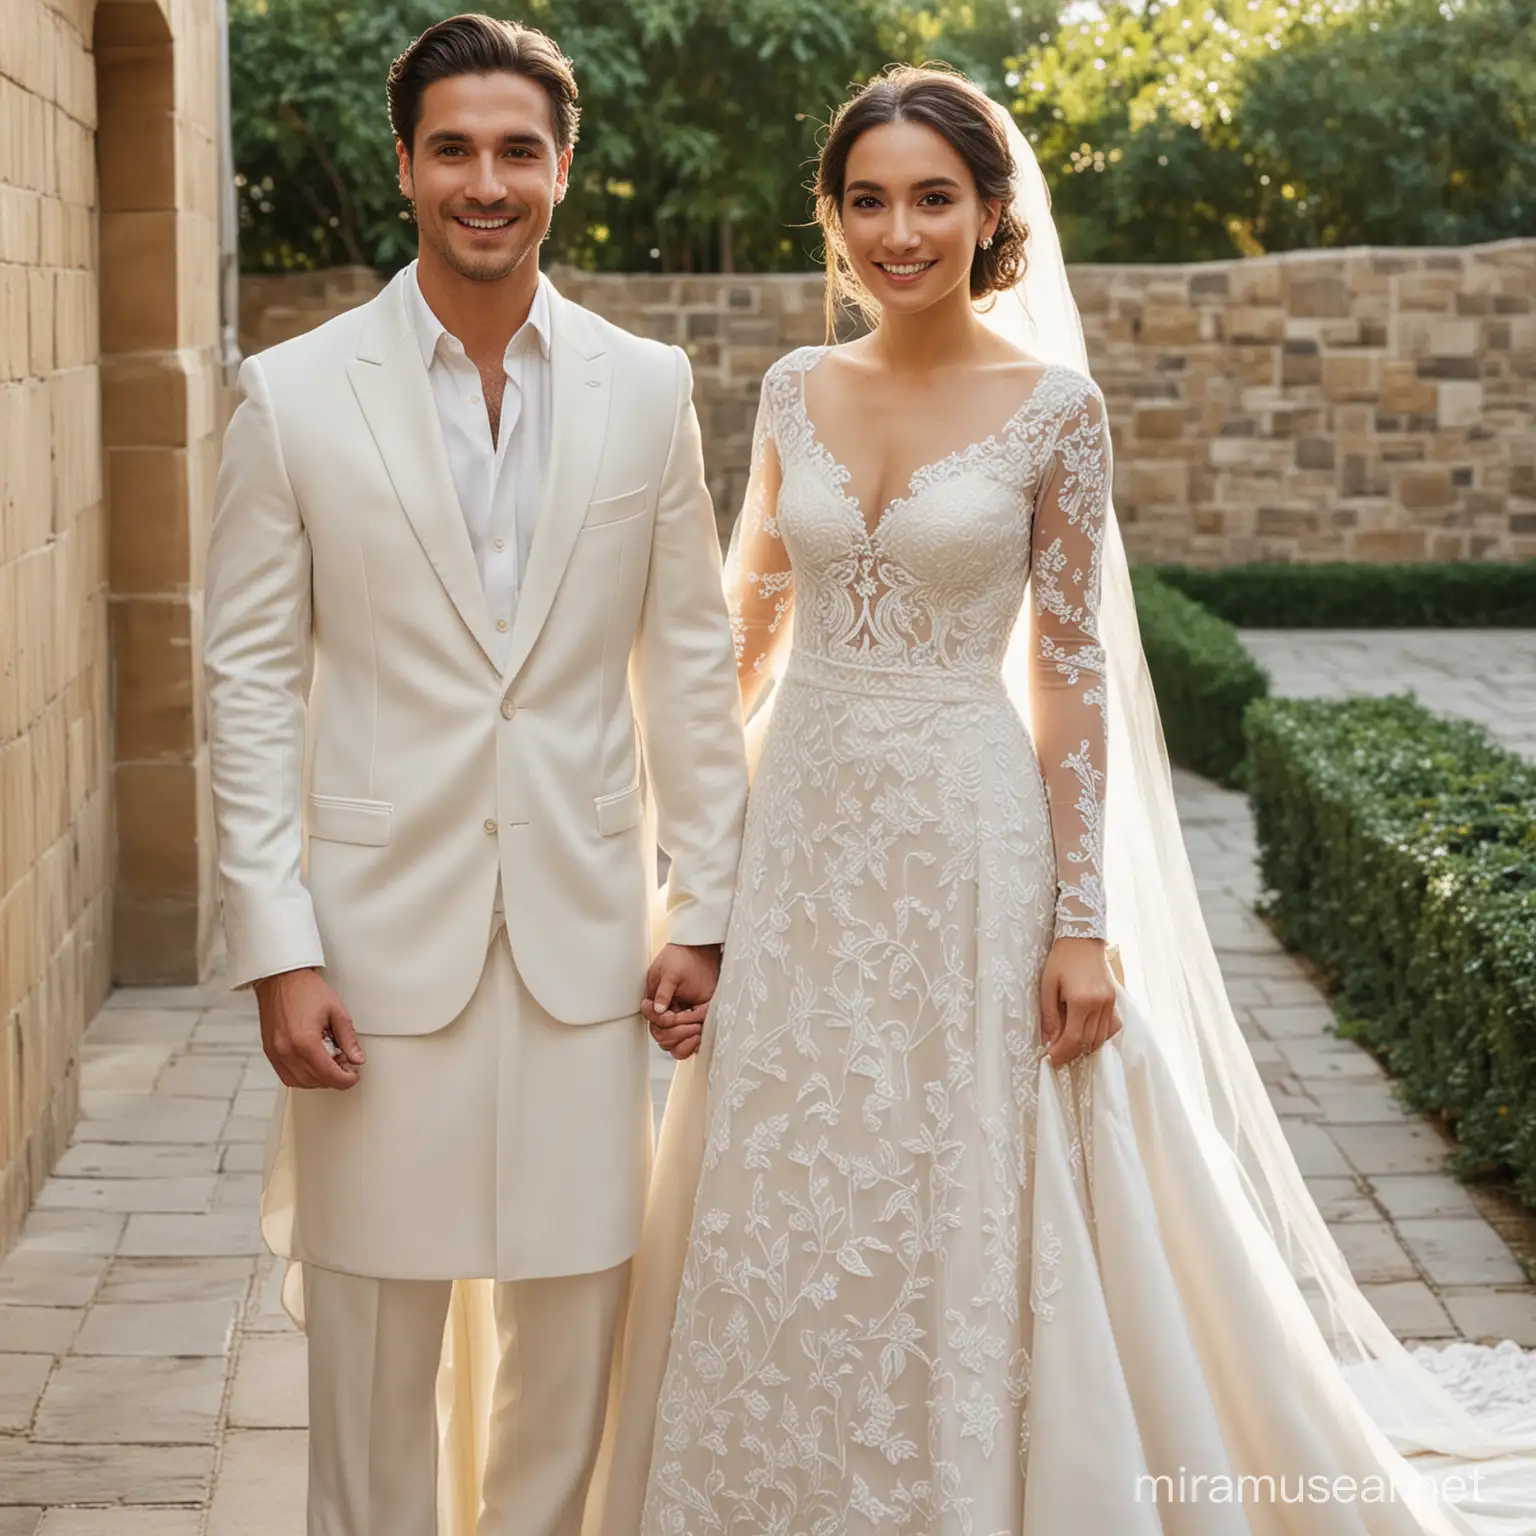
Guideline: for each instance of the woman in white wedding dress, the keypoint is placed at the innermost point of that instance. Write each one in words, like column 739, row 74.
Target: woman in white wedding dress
column 943, row 1248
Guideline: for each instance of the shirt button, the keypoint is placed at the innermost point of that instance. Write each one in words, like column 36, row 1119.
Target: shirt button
column 500, row 544
column 501, row 625
column 490, row 827
column 508, row 708
column 474, row 399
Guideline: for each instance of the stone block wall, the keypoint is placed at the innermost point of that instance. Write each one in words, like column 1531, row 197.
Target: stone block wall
column 108, row 432
column 1336, row 405
column 56, row 821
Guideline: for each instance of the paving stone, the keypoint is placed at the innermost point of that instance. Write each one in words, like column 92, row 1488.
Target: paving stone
column 271, row 1383
column 223, row 1233
column 1410, row 1309
column 1316, row 1155
column 20, row 1522
column 1373, row 1252
column 248, row 1128
column 1362, row 1103
column 1486, row 1316
column 149, row 1160
column 70, row 1232
column 202, row 1077
column 158, row 1000
column 177, row 1280
column 47, row 1474
column 1305, row 1022
column 223, row 1032
column 1328, row 1059
column 1408, row 1195
column 123, row 1068
column 157, row 1328
column 1409, row 1147
column 243, row 1157
column 139, row 1026
column 41, row 1278
column 1458, row 1250
column 22, row 1379
column 39, row 1330
column 262, row 1483
column 1342, row 1199
column 110, row 1400
column 237, row 1192
column 127, row 1195
column 158, row 1117
column 266, row 1314
column 121, row 1522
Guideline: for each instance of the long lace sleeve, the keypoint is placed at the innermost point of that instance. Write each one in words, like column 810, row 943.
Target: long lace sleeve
column 1068, row 702
column 759, row 584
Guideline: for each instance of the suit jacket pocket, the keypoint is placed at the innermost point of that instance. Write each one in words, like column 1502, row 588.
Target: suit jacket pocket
column 338, row 819
column 619, row 812
column 617, row 509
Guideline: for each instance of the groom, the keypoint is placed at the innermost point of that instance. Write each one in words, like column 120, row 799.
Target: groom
column 454, row 529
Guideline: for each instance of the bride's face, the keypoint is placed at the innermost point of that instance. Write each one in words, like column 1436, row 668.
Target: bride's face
column 911, row 215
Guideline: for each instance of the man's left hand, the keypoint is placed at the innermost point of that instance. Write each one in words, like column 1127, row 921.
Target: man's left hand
column 678, row 989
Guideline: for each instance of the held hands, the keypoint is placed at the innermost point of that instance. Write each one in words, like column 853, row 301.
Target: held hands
column 298, row 1010
column 1077, row 999
column 678, row 988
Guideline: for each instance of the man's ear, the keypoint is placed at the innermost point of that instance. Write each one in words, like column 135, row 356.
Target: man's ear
column 563, row 172
column 407, row 183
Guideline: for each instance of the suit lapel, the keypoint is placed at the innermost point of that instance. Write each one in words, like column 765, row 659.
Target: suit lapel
column 396, row 398
column 580, row 392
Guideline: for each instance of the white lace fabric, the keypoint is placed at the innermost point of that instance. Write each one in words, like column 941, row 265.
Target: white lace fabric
column 921, row 601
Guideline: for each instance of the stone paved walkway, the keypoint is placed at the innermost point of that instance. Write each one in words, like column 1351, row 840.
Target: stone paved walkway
column 1487, row 675
column 150, row 1384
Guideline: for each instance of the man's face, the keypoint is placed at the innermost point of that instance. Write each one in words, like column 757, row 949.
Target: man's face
column 485, row 174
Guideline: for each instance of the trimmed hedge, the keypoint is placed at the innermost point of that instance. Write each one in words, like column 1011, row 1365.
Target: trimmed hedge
column 1399, row 849
column 1451, row 596
column 1203, row 677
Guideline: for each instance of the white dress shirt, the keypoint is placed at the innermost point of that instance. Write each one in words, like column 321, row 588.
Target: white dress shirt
column 498, row 482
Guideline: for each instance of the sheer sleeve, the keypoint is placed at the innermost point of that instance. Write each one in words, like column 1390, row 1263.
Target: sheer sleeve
column 759, row 584
column 1068, row 704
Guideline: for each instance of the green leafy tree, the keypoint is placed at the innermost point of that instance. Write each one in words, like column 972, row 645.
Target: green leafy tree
column 699, row 130
column 1185, row 130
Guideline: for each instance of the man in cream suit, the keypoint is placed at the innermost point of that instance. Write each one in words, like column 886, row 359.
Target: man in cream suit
column 475, row 514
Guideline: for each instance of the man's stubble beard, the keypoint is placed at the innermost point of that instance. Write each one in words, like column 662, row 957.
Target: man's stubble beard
column 493, row 267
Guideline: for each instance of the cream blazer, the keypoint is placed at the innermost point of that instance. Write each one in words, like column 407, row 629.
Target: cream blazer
column 363, row 817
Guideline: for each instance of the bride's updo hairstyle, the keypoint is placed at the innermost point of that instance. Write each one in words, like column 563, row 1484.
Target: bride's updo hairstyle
column 942, row 99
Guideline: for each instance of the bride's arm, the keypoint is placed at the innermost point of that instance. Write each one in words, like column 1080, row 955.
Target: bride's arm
column 759, row 584
column 1069, row 715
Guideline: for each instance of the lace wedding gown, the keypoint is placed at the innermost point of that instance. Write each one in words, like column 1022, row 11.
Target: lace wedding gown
column 933, row 1285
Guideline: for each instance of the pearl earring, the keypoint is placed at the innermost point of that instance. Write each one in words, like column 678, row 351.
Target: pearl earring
column 986, row 242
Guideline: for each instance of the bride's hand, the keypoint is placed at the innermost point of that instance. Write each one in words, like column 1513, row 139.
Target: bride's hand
column 1077, row 999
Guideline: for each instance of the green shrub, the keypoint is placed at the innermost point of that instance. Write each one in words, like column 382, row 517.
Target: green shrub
column 1203, row 677
column 1399, row 849
column 1452, row 596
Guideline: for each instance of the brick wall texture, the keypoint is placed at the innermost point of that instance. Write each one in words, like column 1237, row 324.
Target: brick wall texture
column 1349, row 405
column 108, row 430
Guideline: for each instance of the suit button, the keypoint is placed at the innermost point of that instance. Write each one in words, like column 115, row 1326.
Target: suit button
column 490, row 826
column 508, row 708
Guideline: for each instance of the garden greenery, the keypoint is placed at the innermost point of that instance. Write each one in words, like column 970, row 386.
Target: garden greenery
column 1399, row 850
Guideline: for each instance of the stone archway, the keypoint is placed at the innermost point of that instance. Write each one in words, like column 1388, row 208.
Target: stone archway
column 161, row 393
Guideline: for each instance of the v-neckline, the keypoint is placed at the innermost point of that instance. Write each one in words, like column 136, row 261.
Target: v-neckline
column 841, row 476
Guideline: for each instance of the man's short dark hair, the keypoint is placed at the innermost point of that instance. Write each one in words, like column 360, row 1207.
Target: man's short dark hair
column 474, row 44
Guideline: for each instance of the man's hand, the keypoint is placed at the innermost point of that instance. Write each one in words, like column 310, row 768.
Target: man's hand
column 298, row 1009
column 678, row 988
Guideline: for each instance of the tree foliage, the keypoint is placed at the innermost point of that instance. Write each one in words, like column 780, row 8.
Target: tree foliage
column 1193, row 129
column 699, row 126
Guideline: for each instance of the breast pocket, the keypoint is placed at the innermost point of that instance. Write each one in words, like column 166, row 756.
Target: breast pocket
column 617, row 509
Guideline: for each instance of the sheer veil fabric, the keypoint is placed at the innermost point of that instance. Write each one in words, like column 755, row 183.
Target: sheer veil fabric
column 1443, row 1410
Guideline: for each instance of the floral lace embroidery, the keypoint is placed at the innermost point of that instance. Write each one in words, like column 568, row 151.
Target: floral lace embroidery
column 853, row 1338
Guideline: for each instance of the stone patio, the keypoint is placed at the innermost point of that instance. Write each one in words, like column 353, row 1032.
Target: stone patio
column 150, row 1384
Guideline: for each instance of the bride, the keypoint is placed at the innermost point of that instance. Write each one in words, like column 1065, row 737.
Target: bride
column 961, row 1221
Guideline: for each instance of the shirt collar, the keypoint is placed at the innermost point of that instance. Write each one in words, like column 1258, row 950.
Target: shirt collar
column 430, row 330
